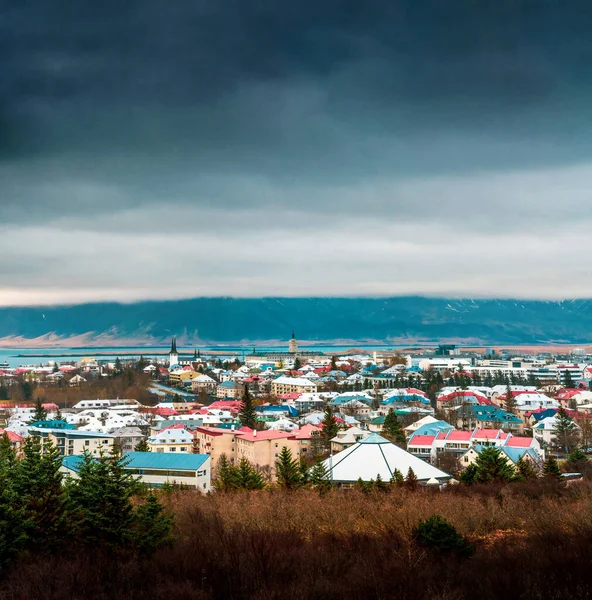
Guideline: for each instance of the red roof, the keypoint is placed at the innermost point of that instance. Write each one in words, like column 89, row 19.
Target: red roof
column 519, row 442
column 253, row 436
column 490, row 434
column 422, row 440
column 459, row 436
column 292, row 396
column 306, row 432
column 12, row 436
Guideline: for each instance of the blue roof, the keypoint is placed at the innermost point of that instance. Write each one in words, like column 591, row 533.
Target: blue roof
column 228, row 384
column 150, row 460
column 54, row 424
column 433, row 428
column 290, row 410
column 165, row 460
column 374, row 438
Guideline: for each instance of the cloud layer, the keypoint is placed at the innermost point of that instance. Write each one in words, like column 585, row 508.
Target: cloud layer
column 254, row 148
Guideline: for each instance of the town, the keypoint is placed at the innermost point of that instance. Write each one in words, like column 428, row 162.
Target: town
column 430, row 413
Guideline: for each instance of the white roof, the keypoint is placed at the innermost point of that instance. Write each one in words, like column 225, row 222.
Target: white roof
column 377, row 456
column 293, row 381
column 425, row 421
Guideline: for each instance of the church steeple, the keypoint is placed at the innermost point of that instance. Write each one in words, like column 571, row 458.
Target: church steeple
column 174, row 345
column 293, row 346
column 173, row 355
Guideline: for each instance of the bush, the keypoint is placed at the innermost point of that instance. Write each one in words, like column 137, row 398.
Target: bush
column 437, row 533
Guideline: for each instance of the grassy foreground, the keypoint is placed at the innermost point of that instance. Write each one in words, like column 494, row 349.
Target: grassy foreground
column 531, row 540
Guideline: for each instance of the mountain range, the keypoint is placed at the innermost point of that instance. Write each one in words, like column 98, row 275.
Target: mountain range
column 396, row 320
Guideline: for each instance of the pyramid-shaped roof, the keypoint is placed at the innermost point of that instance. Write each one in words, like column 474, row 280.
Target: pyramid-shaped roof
column 374, row 456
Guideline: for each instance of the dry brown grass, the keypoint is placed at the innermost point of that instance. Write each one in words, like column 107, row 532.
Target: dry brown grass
column 531, row 541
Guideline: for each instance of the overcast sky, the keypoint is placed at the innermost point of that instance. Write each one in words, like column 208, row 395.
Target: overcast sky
column 153, row 149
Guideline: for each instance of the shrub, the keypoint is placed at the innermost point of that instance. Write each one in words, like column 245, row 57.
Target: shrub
column 437, row 533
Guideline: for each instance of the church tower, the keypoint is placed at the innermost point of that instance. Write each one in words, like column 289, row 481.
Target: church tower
column 293, row 348
column 173, row 355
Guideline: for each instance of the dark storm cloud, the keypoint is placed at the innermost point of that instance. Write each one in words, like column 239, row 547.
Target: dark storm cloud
column 311, row 119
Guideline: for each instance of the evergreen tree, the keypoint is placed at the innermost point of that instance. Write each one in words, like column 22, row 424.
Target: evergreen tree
column 577, row 462
column 27, row 390
column 13, row 537
column 247, row 415
column 37, row 481
column 329, row 427
column 118, row 366
column 397, row 477
column 566, row 432
column 7, row 452
column 492, row 465
column 248, row 477
column 363, row 486
column 469, row 475
column 379, row 484
column 392, row 428
column 58, row 415
column 152, row 527
column 288, row 470
column 551, row 468
column 525, row 469
column 568, row 380
column 510, row 401
column 142, row 446
column 333, row 363
column 101, row 500
column 4, row 393
column 227, row 477
column 411, row 479
column 297, row 364
column 319, row 477
column 40, row 413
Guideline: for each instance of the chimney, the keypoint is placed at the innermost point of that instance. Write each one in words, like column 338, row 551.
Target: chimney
column 232, row 428
column 254, row 433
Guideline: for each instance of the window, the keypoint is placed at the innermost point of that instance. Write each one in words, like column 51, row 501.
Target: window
column 160, row 449
column 87, row 443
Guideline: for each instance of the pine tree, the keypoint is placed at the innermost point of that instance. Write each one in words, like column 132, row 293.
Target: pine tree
column 297, row 364
column 525, row 469
column 510, row 401
column 142, row 446
column 397, row 477
column 577, row 462
column 379, row 484
column 118, row 366
column 567, row 379
column 227, row 477
column 392, row 428
column 469, row 475
column 152, row 527
column 333, row 363
column 248, row 414
column 248, row 477
column 566, row 432
column 551, row 468
column 287, row 470
column 40, row 413
column 13, row 537
column 329, row 428
column 411, row 479
column 319, row 477
column 7, row 452
column 363, row 486
column 492, row 465
column 101, row 499
column 58, row 415
column 37, row 482
column 4, row 393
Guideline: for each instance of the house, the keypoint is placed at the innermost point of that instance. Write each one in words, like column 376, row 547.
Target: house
column 427, row 426
column 16, row 441
column 262, row 448
column 545, row 431
column 348, row 437
column 511, row 454
column 127, row 438
column 193, row 470
column 229, row 389
column 287, row 385
column 375, row 456
column 172, row 439
column 71, row 442
column 460, row 398
column 203, row 383
column 76, row 380
column 469, row 416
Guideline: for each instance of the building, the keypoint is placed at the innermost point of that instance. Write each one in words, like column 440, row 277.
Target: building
column 172, row 439
column 229, row 389
column 349, row 437
column 70, row 442
column 293, row 345
column 173, row 354
column 203, row 383
column 191, row 470
column 375, row 456
column 127, row 438
column 289, row 385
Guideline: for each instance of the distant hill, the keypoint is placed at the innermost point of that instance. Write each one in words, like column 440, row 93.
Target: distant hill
column 242, row 320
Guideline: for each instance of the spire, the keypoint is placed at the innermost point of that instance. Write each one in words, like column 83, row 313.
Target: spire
column 174, row 345
column 293, row 336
